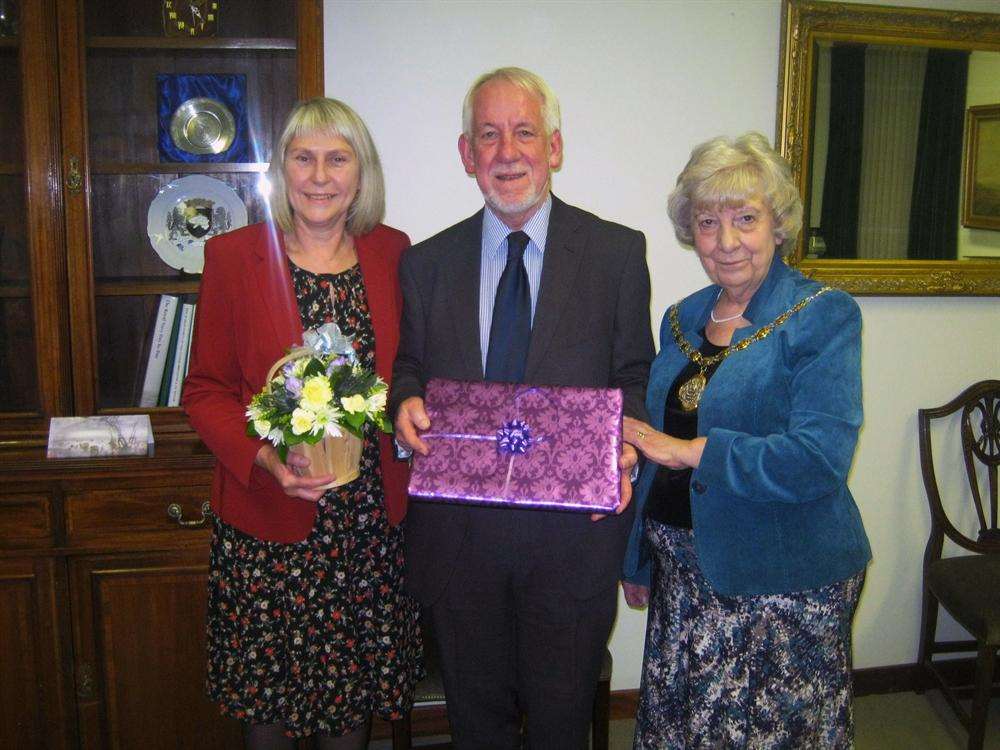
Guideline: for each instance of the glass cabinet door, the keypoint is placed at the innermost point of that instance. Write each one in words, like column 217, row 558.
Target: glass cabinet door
column 35, row 370
column 181, row 103
column 18, row 374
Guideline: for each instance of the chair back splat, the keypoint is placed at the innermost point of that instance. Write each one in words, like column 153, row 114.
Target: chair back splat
column 967, row 585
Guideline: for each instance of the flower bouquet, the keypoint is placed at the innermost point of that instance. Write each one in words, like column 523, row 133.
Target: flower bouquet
column 316, row 402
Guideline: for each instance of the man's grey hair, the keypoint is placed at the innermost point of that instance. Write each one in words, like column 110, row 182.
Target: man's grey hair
column 525, row 79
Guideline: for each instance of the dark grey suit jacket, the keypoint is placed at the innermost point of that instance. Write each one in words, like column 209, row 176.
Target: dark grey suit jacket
column 591, row 328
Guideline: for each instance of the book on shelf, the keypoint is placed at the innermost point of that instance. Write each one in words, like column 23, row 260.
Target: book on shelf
column 156, row 361
column 180, row 361
column 168, row 369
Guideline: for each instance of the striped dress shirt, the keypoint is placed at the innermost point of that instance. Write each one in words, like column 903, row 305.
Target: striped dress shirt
column 494, row 259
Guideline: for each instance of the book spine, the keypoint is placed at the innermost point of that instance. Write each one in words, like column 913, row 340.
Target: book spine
column 181, row 355
column 190, row 338
column 168, row 370
column 156, row 363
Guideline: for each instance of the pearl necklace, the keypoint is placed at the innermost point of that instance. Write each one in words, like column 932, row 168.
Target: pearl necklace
column 711, row 314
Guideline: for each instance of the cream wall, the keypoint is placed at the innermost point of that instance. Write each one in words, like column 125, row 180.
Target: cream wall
column 640, row 83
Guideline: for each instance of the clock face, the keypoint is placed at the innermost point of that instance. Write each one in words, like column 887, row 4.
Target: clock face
column 190, row 17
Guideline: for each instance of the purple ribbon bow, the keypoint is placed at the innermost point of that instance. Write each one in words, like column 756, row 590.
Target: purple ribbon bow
column 514, row 437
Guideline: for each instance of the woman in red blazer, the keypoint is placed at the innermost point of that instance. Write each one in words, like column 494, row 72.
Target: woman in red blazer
column 308, row 629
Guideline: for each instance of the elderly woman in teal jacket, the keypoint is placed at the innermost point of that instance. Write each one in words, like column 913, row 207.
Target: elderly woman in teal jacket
column 747, row 542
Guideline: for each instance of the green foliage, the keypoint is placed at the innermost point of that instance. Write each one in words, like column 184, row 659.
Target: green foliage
column 348, row 382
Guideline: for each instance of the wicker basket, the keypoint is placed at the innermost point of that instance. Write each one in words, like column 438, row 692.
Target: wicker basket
column 339, row 457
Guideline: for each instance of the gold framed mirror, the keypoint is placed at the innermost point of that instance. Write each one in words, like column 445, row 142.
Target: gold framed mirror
column 873, row 113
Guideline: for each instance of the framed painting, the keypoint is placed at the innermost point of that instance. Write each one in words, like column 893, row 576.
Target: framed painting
column 981, row 199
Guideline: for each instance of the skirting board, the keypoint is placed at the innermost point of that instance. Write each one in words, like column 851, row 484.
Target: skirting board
column 432, row 720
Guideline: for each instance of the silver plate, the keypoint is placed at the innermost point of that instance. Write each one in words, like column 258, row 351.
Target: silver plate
column 203, row 126
column 186, row 213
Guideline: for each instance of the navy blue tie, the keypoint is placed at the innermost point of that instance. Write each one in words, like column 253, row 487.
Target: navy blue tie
column 510, row 330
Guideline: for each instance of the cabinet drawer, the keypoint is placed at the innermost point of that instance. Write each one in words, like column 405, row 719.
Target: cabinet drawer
column 25, row 520
column 101, row 514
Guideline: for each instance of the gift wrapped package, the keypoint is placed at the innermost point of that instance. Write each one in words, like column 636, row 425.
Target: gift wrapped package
column 521, row 446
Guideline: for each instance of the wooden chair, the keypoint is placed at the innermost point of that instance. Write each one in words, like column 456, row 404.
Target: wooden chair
column 431, row 689
column 968, row 586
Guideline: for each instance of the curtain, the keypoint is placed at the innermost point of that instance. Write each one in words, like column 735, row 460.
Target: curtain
column 841, row 186
column 936, row 181
column 894, row 80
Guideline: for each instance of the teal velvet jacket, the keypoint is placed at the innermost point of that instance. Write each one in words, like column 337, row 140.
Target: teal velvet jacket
column 770, row 507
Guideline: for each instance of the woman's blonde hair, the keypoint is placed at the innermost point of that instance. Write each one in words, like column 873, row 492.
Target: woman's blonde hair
column 332, row 117
column 727, row 172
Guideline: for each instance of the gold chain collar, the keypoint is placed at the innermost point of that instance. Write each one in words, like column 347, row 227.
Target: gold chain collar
column 690, row 391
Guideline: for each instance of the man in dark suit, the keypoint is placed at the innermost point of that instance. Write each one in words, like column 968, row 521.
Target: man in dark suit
column 527, row 290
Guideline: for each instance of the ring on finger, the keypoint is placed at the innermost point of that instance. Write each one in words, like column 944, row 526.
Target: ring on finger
column 640, row 434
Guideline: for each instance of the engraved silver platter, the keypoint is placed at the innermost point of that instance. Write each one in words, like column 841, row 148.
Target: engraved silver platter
column 186, row 213
column 203, row 126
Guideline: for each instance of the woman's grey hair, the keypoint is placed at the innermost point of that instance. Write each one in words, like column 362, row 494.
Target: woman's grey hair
column 331, row 117
column 727, row 172
column 525, row 79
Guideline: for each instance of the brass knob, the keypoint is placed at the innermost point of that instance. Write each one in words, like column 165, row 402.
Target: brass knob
column 74, row 180
column 176, row 512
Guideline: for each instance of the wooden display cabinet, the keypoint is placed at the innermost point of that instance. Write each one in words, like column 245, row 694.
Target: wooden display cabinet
column 104, row 562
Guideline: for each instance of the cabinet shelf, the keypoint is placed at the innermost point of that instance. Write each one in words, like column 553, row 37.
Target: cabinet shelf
column 114, row 167
column 138, row 286
column 14, row 290
column 188, row 44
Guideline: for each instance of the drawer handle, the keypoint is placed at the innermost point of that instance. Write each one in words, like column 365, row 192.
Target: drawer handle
column 176, row 512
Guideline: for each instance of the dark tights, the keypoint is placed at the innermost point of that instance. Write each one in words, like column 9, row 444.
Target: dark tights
column 272, row 737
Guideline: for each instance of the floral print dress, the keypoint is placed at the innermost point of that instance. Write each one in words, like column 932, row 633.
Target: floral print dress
column 765, row 672
column 317, row 635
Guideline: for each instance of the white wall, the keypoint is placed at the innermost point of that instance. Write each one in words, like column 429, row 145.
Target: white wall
column 640, row 83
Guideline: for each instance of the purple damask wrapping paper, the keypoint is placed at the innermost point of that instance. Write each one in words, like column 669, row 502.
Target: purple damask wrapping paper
column 521, row 446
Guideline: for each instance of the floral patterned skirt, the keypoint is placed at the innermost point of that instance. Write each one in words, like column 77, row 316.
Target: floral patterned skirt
column 769, row 671
column 315, row 635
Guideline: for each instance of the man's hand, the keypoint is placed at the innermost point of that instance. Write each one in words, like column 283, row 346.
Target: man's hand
column 288, row 474
column 626, row 461
column 410, row 418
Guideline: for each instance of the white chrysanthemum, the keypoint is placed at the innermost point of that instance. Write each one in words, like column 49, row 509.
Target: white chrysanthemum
column 302, row 421
column 276, row 436
column 262, row 426
column 326, row 420
column 376, row 402
column 354, row 404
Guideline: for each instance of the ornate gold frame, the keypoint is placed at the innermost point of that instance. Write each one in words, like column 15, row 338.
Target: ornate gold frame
column 803, row 23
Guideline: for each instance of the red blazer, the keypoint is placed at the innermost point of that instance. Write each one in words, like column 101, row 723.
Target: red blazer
column 247, row 319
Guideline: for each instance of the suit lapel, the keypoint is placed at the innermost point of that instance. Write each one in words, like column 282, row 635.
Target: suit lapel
column 563, row 254
column 275, row 295
column 462, row 276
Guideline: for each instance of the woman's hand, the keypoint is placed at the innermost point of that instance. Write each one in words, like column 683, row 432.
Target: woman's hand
column 661, row 448
column 636, row 596
column 294, row 485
